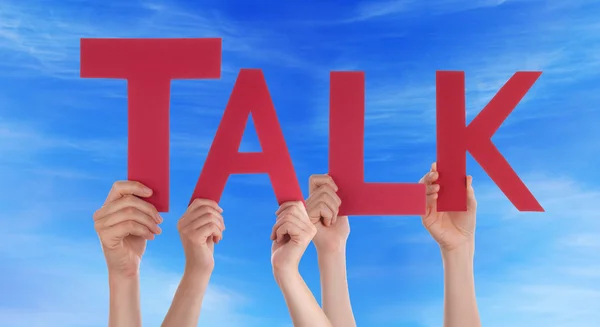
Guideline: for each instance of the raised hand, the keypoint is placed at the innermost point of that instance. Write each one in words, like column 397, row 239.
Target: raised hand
column 450, row 229
column 200, row 228
column 332, row 233
column 291, row 235
column 124, row 224
column 323, row 206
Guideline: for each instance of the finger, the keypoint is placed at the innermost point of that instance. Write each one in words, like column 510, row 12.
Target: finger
column 317, row 180
column 210, row 232
column 325, row 207
column 206, row 233
column 322, row 212
column 204, row 202
column 434, row 166
column 470, row 189
column 206, row 218
column 471, row 201
column 291, row 228
column 201, row 213
column 121, row 188
column 128, row 214
column 432, row 188
column 287, row 205
column 290, row 214
column 429, row 178
column 326, row 188
column 128, row 201
column 126, row 228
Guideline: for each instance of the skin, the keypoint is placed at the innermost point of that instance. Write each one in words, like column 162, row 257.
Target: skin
column 292, row 233
column 455, row 234
column 330, row 241
column 200, row 228
column 124, row 224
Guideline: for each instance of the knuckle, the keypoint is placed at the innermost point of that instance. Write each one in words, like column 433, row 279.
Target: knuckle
column 130, row 210
column 119, row 184
column 129, row 199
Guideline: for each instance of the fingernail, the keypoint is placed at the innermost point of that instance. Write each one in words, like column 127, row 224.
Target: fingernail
column 159, row 218
column 147, row 191
column 220, row 209
column 158, row 229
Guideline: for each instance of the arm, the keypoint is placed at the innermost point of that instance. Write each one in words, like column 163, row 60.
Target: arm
column 334, row 288
column 200, row 228
column 124, row 224
column 303, row 307
column 460, row 304
column 332, row 234
column 187, row 302
column 124, row 310
column 455, row 234
column 291, row 234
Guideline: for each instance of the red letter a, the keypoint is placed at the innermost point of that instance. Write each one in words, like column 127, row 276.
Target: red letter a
column 346, row 157
column 454, row 139
column 250, row 95
column 149, row 65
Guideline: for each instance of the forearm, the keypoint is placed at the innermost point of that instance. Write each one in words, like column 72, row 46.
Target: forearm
column 334, row 288
column 304, row 309
column 187, row 302
column 124, row 307
column 460, row 304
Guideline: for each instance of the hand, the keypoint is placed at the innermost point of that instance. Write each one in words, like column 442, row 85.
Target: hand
column 124, row 224
column 200, row 228
column 291, row 235
column 323, row 206
column 450, row 229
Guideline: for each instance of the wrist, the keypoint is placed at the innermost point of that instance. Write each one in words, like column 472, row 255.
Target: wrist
column 331, row 256
column 330, row 249
column 123, row 276
column 284, row 275
column 459, row 258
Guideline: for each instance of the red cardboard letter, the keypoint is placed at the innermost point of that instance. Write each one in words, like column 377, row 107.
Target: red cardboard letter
column 250, row 96
column 346, row 156
column 455, row 139
column 149, row 65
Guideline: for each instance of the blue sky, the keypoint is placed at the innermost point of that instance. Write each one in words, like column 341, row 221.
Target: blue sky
column 63, row 143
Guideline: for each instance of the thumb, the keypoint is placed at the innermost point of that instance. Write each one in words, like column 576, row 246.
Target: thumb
column 471, row 201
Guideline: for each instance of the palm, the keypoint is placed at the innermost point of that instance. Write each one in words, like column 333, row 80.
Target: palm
column 450, row 229
column 127, row 254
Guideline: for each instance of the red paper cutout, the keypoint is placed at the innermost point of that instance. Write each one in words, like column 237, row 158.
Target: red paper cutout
column 454, row 139
column 149, row 65
column 250, row 95
column 346, row 156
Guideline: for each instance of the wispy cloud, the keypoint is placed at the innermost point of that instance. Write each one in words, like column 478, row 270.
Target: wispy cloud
column 46, row 39
column 393, row 8
column 50, row 275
